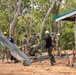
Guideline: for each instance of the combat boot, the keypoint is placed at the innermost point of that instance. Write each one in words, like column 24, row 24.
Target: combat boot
column 52, row 64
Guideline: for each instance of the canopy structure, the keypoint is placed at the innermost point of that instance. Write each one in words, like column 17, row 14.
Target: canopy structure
column 68, row 16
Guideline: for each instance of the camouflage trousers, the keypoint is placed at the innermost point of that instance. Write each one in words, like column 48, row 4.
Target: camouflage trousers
column 25, row 48
column 49, row 50
column 6, row 54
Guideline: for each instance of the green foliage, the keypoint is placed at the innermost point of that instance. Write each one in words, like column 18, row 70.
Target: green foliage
column 32, row 19
column 68, row 36
column 4, row 16
column 42, row 1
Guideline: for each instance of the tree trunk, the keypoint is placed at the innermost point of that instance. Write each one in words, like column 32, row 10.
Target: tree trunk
column 8, row 9
column 57, row 12
column 43, row 23
column 56, row 26
column 58, row 7
column 15, row 18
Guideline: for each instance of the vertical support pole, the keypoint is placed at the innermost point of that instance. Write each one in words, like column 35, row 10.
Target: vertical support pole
column 75, row 32
column 56, row 31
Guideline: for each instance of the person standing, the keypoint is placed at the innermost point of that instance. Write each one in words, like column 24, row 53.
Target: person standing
column 49, row 46
column 24, row 43
column 11, row 39
column 58, row 43
column 33, row 39
column 5, row 51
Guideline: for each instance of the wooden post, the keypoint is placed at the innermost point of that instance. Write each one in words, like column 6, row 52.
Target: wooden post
column 75, row 32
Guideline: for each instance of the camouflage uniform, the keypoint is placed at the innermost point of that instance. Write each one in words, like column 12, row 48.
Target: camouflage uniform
column 24, row 43
column 33, row 50
column 32, row 40
column 5, row 52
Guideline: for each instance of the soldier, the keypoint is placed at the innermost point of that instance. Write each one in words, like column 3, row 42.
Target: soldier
column 58, row 43
column 5, row 51
column 24, row 43
column 33, row 39
column 53, row 39
column 11, row 39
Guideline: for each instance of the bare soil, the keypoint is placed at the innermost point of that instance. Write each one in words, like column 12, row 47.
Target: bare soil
column 37, row 68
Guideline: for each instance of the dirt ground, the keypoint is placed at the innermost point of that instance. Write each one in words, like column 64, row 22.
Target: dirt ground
column 37, row 68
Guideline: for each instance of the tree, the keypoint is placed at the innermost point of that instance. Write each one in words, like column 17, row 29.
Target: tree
column 15, row 18
column 43, row 23
column 68, row 36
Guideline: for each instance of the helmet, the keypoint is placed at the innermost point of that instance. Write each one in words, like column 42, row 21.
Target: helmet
column 5, row 33
column 52, row 33
column 47, row 32
column 58, row 34
column 37, row 36
column 25, row 35
column 33, row 33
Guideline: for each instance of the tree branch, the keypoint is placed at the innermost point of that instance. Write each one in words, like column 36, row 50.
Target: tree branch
column 45, row 18
column 15, row 18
